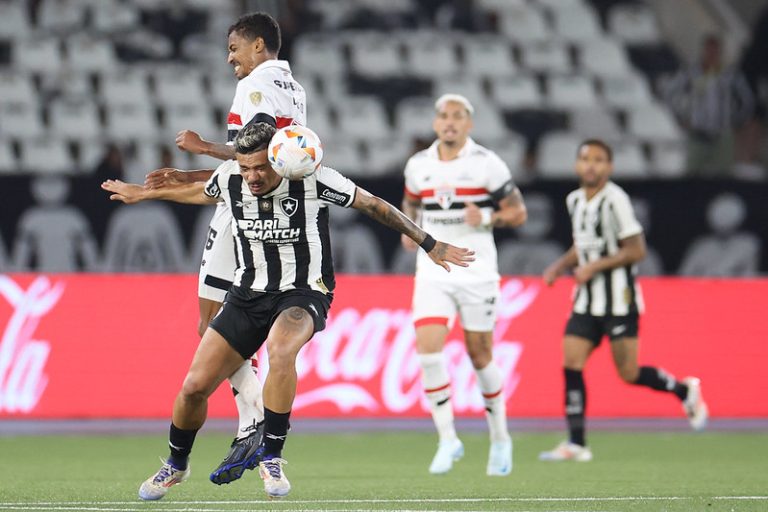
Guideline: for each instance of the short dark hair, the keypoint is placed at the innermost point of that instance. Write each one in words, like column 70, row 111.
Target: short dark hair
column 258, row 24
column 254, row 137
column 599, row 143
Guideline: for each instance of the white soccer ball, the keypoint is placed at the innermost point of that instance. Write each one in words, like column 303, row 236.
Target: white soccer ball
column 295, row 152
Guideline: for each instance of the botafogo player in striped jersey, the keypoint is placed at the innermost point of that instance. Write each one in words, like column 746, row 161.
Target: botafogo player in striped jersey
column 282, row 290
column 266, row 92
column 462, row 191
column 608, row 242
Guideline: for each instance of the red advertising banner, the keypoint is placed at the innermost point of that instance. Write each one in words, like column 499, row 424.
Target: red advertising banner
column 118, row 346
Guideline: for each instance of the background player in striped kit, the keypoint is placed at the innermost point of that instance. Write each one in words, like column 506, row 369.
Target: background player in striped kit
column 607, row 243
column 281, row 294
column 266, row 92
column 462, row 191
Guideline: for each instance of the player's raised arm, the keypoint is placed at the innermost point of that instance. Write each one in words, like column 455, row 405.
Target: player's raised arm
column 130, row 193
column 190, row 141
column 383, row 212
column 170, row 177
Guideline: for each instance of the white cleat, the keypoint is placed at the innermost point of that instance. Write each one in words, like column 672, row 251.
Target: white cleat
column 447, row 453
column 499, row 458
column 158, row 485
column 567, row 451
column 276, row 484
column 694, row 406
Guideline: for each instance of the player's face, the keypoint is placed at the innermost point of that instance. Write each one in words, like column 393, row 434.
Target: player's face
column 242, row 54
column 452, row 123
column 257, row 173
column 593, row 165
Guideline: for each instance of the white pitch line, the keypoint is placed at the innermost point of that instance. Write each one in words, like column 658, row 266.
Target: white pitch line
column 100, row 509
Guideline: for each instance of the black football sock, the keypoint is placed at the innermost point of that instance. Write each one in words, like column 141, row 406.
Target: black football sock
column 275, row 431
column 575, row 405
column 658, row 379
column 180, row 442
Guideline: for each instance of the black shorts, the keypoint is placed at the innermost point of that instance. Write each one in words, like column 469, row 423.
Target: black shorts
column 594, row 328
column 247, row 316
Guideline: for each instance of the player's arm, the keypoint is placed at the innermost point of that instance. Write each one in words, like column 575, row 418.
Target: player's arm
column 383, row 212
column 170, row 177
column 564, row 263
column 130, row 193
column 411, row 207
column 631, row 250
column 188, row 140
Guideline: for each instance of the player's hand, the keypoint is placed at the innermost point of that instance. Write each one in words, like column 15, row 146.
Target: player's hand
column 583, row 273
column 443, row 253
column 128, row 193
column 190, row 141
column 167, row 176
column 472, row 215
column 409, row 244
column 550, row 275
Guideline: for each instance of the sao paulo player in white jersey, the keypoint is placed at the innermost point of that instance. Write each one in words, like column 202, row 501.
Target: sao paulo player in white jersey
column 461, row 191
column 608, row 242
column 266, row 92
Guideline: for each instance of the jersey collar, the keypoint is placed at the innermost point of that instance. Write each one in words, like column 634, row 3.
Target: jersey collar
column 272, row 63
column 464, row 151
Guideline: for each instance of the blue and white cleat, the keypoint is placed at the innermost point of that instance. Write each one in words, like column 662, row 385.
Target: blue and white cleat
column 447, row 453
column 243, row 454
column 158, row 485
column 499, row 458
column 276, row 484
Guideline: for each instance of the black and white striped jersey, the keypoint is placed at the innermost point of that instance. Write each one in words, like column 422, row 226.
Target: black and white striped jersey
column 282, row 238
column 599, row 224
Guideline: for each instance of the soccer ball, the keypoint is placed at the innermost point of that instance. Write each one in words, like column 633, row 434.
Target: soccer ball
column 295, row 152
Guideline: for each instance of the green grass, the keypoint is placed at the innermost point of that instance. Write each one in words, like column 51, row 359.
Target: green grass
column 388, row 471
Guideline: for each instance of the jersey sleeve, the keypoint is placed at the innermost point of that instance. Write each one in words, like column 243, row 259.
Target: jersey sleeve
column 625, row 222
column 412, row 190
column 218, row 180
column 500, row 183
column 252, row 103
column 334, row 188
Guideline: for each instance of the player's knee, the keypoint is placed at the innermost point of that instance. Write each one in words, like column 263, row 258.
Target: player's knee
column 194, row 389
column 628, row 374
column 282, row 356
column 480, row 358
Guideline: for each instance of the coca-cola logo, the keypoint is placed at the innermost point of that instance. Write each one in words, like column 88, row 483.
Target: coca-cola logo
column 366, row 360
column 23, row 358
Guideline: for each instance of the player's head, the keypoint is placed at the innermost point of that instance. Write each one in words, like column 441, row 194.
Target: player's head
column 594, row 162
column 251, row 153
column 252, row 39
column 453, row 119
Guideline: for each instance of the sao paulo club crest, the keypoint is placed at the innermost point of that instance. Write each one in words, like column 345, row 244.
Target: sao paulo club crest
column 445, row 197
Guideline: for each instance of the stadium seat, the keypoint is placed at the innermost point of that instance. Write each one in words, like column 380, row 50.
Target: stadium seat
column 46, row 155
column 17, row 87
column 500, row 6
column 61, row 17
column 556, row 154
column 431, row 58
column 36, row 55
column 604, row 57
column 570, row 92
column 466, row 85
column 668, row 159
column 515, row 92
column 14, row 23
column 21, row 121
column 487, row 55
column 127, row 86
column 595, row 122
column 75, row 118
column 319, row 54
column 109, row 17
column 546, row 57
column 629, row 161
column 575, row 21
column 386, row 156
column 375, row 56
column 90, row 55
column 319, row 119
column 414, row 115
column 488, row 123
column 626, row 90
column 524, row 23
column 362, row 117
column 221, row 91
column 633, row 23
column 343, row 155
column 511, row 149
column 179, row 86
column 197, row 117
column 334, row 88
column 653, row 122
column 132, row 122
column 8, row 162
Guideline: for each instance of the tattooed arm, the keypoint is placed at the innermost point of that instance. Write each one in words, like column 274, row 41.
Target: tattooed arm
column 386, row 214
column 411, row 207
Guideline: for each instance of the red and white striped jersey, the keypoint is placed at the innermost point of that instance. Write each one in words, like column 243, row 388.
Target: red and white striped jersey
column 269, row 94
column 477, row 175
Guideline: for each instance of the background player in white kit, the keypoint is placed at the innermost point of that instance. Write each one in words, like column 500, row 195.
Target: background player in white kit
column 608, row 242
column 460, row 191
column 266, row 92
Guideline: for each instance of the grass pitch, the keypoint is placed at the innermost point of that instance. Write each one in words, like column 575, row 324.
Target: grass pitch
column 388, row 471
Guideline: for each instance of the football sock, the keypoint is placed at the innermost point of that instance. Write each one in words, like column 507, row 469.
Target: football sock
column 575, row 405
column 180, row 442
column 275, row 432
column 246, row 387
column 491, row 386
column 437, row 387
column 660, row 380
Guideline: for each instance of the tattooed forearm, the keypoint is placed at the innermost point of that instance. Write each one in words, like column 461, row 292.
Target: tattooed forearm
column 383, row 212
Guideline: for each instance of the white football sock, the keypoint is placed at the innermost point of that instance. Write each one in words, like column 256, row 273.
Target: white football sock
column 250, row 405
column 491, row 385
column 437, row 387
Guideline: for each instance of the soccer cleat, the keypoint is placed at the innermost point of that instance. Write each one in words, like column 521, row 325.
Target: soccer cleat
column 243, row 454
column 694, row 406
column 275, row 483
column 157, row 486
column 567, row 451
column 500, row 458
column 447, row 453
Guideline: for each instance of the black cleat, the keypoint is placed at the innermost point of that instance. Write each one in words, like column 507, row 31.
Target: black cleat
column 243, row 454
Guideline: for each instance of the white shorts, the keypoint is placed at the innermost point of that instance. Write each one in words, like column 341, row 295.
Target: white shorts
column 437, row 302
column 217, row 268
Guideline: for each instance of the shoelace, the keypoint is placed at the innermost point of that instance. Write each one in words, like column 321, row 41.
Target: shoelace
column 274, row 467
column 165, row 472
